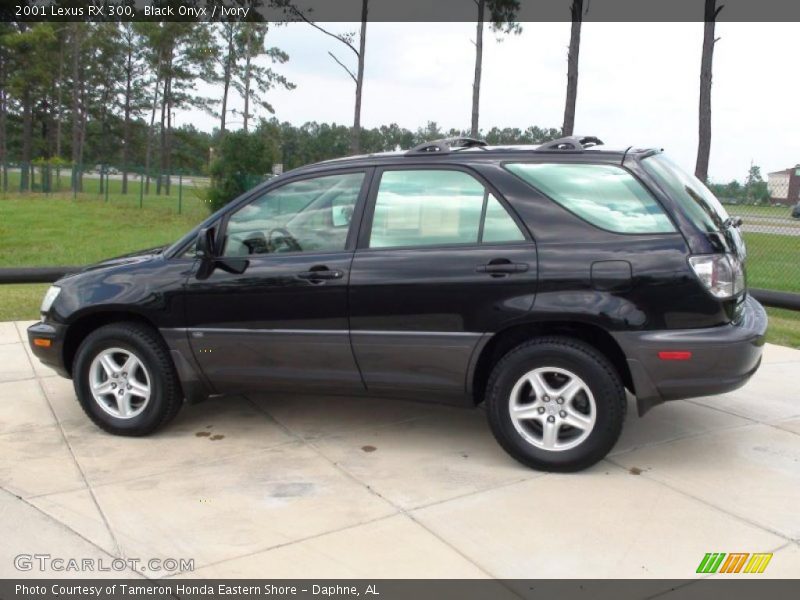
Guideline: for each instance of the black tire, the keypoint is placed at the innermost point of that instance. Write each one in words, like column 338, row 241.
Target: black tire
column 166, row 397
column 578, row 358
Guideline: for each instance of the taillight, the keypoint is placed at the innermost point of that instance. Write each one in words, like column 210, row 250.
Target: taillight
column 721, row 274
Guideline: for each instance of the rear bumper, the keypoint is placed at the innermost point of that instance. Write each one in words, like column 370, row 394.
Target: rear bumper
column 52, row 355
column 722, row 358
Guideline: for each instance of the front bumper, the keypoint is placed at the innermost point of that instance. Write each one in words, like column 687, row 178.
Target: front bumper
column 52, row 355
column 722, row 358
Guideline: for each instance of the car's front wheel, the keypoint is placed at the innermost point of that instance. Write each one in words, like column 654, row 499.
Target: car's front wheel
column 556, row 404
column 125, row 380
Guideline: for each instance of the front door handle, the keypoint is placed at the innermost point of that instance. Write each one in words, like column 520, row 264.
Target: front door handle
column 502, row 267
column 320, row 273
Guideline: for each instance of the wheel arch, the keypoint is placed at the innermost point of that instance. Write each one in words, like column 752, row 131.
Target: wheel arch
column 81, row 327
column 505, row 340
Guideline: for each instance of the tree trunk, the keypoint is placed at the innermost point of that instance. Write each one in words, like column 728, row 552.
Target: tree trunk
column 704, row 129
column 82, row 132
column 224, row 110
column 355, row 143
column 168, row 154
column 247, row 71
column 162, row 137
column 168, row 58
column 3, row 123
column 226, row 79
column 47, row 143
column 27, row 134
column 151, row 134
column 105, row 100
column 572, row 68
column 76, row 106
column 60, row 96
column 476, row 84
column 126, row 125
column 3, row 133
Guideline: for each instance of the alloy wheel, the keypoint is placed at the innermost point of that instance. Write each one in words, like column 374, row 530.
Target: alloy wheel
column 120, row 383
column 552, row 408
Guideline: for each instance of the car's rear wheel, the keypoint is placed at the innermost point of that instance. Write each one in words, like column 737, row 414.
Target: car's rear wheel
column 125, row 380
column 556, row 404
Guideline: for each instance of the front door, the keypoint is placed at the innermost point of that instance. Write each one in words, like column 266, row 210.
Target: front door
column 282, row 324
column 442, row 264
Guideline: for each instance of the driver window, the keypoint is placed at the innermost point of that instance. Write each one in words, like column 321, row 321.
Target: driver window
column 312, row 215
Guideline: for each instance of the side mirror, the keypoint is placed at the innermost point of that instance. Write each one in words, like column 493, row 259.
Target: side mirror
column 205, row 247
column 206, row 251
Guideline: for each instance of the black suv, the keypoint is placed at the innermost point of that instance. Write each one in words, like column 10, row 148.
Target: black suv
column 544, row 281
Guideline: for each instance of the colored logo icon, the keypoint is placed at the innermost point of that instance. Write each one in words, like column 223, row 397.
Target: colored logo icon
column 735, row 562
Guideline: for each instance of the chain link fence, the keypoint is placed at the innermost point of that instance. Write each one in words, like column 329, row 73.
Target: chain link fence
column 177, row 190
column 771, row 229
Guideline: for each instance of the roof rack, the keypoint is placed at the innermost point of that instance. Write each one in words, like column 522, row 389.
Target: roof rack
column 445, row 146
column 571, row 143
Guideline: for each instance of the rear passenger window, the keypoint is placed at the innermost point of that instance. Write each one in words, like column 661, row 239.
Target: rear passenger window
column 437, row 207
column 605, row 195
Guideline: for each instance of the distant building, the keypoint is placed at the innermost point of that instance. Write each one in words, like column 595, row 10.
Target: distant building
column 784, row 186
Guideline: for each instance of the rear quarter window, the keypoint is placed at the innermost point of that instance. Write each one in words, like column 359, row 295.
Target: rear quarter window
column 700, row 205
column 606, row 196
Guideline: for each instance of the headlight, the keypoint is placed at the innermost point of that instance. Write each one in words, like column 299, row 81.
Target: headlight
column 49, row 297
column 722, row 274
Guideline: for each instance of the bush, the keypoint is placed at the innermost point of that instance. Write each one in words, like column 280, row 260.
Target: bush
column 243, row 161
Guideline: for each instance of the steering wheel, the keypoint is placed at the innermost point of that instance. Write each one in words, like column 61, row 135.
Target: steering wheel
column 284, row 238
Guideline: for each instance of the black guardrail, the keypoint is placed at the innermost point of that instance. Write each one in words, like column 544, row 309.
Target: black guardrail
column 776, row 299
column 35, row 274
column 773, row 298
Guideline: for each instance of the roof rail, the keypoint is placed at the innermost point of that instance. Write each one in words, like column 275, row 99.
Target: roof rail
column 445, row 146
column 571, row 143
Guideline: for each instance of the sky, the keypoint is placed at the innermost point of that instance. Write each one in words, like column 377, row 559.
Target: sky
column 638, row 84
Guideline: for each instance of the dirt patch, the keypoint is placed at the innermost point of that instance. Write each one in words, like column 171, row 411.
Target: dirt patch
column 292, row 489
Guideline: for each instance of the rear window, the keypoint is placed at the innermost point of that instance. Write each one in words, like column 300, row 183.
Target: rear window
column 604, row 195
column 699, row 204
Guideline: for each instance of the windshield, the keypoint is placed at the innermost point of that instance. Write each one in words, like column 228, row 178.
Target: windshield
column 700, row 205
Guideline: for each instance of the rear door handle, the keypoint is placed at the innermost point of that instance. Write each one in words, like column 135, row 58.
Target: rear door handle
column 320, row 273
column 502, row 268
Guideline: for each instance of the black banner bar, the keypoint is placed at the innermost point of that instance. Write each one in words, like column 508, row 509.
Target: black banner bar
column 390, row 10
column 733, row 587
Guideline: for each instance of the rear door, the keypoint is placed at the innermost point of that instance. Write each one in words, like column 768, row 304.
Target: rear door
column 442, row 263
column 282, row 324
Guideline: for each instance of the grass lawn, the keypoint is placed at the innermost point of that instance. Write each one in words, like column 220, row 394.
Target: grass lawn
column 21, row 302
column 773, row 261
column 784, row 327
column 37, row 231
column 778, row 212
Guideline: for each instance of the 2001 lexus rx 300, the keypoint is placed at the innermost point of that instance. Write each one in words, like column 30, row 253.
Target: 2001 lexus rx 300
column 541, row 280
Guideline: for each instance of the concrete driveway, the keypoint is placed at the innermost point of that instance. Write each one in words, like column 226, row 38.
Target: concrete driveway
column 282, row 487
